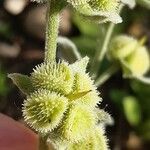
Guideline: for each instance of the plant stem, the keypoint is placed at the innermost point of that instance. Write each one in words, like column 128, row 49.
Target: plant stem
column 42, row 143
column 52, row 26
column 103, row 51
column 100, row 53
column 106, row 75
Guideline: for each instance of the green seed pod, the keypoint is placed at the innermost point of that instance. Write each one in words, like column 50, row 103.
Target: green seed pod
column 122, row 46
column 79, row 123
column 95, row 141
column 56, row 77
column 139, row 61
column 43, row 110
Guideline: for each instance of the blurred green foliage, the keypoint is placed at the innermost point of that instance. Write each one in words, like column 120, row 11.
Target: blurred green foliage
column 5, row 30
column 3, row 84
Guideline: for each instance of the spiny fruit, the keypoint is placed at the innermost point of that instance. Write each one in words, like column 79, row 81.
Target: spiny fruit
column 53, row 76
column 62, row 105
column 95, row 141
column 79, row 123
column 43, row 110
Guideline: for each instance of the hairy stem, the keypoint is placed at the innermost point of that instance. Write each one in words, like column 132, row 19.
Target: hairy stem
column 100, row 53
column 106, row 75
column 52, row 19
column 43, row 144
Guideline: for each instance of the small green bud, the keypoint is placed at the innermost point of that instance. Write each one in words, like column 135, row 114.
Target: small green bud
column 53, row 76
column 79, row 123
column 139, row 61
column 122, row 46
column 43, row 110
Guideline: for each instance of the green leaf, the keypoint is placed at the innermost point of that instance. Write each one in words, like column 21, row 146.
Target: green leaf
column 23, row 82
column 132, row 110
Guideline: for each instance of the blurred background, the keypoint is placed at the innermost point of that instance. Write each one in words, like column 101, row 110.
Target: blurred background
column 22, row 34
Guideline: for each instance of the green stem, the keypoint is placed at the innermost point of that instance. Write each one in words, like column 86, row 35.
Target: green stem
column 52, row 19
column 106, row 75
column 42, row 143
column 103, row 51
column 100, row 53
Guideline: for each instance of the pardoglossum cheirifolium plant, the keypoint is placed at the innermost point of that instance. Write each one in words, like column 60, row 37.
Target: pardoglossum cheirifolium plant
column 62, row 98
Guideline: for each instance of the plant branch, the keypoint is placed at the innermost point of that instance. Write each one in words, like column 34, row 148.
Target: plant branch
column 106, row 75
column 42, row 143
column 52, row 26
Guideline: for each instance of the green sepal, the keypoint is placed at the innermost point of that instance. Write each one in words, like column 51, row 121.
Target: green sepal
column 23, row 82
column 80, row 65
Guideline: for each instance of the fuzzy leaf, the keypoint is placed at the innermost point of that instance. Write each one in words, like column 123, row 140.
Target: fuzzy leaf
column 23, row 82
column 68, row 50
